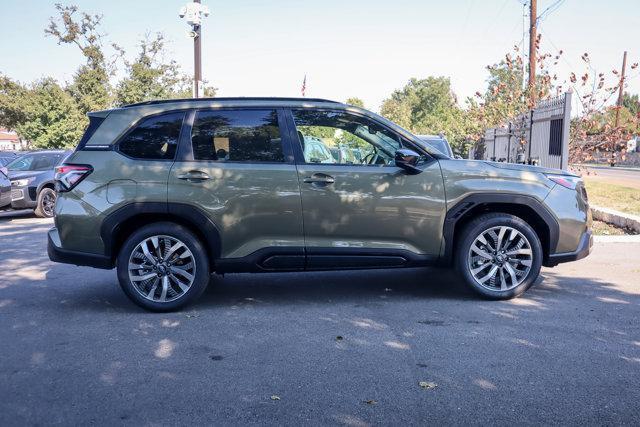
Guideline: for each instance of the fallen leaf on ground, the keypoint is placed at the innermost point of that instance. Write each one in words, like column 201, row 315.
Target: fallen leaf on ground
column 370, row 402
column 427, row 384
column 274, row 397
column 339, row 338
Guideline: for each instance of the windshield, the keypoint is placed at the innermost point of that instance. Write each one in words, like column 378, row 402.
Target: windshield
column 35, row 162
column 5, row 160
column 439, row 144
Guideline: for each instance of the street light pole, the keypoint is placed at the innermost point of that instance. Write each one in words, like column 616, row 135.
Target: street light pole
column 193, row 13
column 197, row 58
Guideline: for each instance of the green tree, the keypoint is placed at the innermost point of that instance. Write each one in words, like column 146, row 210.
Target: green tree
column 631, row 103
column 53, row 116
column 43, row 113
column 91, row 87
column 428, row 106
column 149, row 76
column 12, row 96
column 356, row 102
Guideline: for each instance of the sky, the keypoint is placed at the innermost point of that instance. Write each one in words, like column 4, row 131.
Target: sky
column 346, row 48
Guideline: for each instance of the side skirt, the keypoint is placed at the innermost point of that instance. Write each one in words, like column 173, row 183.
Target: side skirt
column 318, row 259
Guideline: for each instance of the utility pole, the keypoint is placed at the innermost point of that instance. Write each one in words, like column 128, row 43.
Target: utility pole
column 533, row 18
column 621, row 89
column 193, row 13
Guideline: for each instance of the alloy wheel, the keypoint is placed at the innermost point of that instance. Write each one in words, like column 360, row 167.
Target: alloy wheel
column 162, row 268
column 48, row 203
column 500, row 258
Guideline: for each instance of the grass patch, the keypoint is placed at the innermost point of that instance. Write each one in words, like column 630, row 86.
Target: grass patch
column 613, row 196
column 600, row 228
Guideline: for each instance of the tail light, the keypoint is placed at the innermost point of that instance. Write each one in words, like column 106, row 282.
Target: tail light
column 68, row 176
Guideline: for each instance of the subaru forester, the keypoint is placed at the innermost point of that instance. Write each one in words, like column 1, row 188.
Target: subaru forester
column 171, row 192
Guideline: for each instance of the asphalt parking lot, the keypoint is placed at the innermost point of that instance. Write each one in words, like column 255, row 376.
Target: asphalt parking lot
column 346, row 348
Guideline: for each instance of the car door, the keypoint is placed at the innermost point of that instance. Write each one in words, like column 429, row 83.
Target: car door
column 234, row 166
column 363, row 210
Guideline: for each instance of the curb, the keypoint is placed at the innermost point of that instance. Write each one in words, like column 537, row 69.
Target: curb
column 617, row 239
column 622, row 168
column 619, row 219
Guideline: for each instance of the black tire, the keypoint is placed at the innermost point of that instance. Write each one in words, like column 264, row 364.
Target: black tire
column 473, row 230
column 201, row 275
column 45, row 206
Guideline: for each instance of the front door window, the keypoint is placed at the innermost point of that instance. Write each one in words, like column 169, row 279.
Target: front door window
column 342, row 138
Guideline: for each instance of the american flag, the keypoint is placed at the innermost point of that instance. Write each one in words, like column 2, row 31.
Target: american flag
column 304, row 86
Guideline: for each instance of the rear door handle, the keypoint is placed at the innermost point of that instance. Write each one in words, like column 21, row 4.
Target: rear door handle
column 319, row 178
column 194, row 176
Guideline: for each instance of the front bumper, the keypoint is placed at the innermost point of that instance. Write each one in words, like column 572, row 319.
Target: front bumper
column 584, row 249
column 5, row 197
column 57, row 254
column 23, row 197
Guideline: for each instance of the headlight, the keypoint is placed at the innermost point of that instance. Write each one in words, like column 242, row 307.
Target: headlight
column 567, row 181
column 22, row 182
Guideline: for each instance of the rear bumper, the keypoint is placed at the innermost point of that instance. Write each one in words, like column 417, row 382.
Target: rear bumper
column 584, row 249
column 57, row 254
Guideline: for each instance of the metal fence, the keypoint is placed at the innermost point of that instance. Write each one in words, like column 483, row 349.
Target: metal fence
column 539, row 136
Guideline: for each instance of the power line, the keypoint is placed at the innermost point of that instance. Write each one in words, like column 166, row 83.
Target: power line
column 571, row 67
column 492, row 24
column 549, row 10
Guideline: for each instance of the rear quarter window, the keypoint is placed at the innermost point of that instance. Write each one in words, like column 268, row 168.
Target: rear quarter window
column 92, row 127
column 154, row 138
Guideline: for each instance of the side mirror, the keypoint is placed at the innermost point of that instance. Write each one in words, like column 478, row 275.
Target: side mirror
column 408, row 160
column 457, row 157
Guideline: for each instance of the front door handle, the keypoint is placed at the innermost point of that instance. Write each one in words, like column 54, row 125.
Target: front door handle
column 194, row 176
column 319, row 178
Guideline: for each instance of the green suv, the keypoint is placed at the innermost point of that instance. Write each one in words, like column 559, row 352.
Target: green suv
column 169, row 192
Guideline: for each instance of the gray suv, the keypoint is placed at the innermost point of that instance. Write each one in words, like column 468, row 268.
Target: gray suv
column 32, row 181
column 169, row 192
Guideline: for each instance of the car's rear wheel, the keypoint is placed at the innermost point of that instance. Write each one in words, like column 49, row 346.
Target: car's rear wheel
column 499, row 256
column 46, row 203
column 163, row 267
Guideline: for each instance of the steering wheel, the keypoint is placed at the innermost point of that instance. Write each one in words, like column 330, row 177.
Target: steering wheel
column 370, row 158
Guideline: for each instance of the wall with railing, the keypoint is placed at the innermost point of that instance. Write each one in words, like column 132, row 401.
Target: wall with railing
column 539, row 136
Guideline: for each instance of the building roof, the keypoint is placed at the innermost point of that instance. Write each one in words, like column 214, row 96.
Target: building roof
column 7, row 135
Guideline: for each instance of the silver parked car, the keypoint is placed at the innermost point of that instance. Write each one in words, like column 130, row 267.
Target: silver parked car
column 439, row 142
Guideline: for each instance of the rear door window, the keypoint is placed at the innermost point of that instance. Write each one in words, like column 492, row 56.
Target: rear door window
column 237, row 136
column 155, row 138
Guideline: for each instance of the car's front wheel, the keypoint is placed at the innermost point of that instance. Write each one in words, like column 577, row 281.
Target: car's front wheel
column 499, row 256
column 163, row 267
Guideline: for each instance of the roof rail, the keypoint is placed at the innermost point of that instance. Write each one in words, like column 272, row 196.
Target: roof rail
column 247, row 98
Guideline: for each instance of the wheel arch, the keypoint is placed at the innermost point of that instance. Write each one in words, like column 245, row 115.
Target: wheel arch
column 524, row 207
column 46, row 184
column 120, row 224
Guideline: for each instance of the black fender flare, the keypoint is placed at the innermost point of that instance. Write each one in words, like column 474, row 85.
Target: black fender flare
column 471, row 201
column 186, row 214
